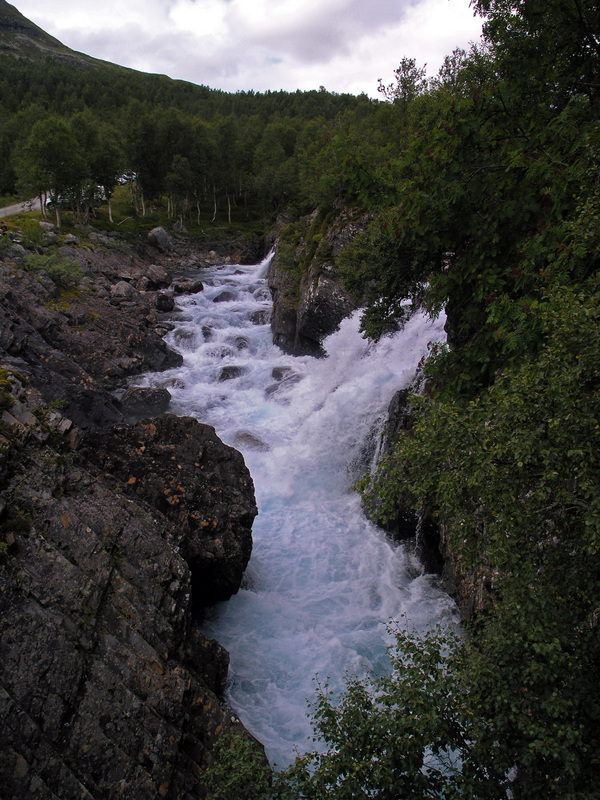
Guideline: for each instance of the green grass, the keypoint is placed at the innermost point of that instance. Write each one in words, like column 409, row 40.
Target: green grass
column 246, row 223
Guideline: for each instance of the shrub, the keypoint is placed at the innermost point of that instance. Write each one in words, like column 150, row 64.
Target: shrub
column 65, row 272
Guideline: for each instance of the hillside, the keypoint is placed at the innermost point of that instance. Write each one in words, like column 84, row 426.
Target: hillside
column 19, row 37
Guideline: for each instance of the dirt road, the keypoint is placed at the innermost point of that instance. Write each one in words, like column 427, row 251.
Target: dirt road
column 28, row 205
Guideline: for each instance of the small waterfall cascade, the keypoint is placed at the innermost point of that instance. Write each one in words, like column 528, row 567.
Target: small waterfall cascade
column 323, row 581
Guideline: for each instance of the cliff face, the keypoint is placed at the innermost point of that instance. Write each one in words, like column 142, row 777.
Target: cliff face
column 470, row 588
column 110, row 533
column 309, row 301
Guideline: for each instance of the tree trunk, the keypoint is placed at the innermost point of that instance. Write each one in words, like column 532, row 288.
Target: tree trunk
column 215, row 202
column 110, row 209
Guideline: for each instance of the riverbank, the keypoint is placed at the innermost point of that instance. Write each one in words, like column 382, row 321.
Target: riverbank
column 110, row 530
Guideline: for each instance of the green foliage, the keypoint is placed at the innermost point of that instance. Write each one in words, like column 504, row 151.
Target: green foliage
column 514, row 475
column 5, row 244
column 53, row 161
column 408, row 734
column 65, row 272
column 240, row 770
column 507, row 460
column 31, row 233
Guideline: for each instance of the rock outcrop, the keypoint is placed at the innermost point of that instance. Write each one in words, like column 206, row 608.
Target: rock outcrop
column 201, row 487
column 112, row 531
column 470, row 588
column 309, row 301
column 406, row 524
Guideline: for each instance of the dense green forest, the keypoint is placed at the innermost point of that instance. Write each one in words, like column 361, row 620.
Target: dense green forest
column 483, row 187
column 201, row 151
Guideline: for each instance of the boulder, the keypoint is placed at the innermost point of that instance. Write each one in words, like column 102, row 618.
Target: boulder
column 165, row 301
column 224, row 297
column 159, row 238
column 229, row 373
column 251, row 441
column 309, row 308
column 182, row 469
column 158, row 276
column 187, row 286
column 123, row 291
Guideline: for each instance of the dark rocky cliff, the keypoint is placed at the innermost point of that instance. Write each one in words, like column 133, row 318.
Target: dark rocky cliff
column 309, row 301
column 110, row 532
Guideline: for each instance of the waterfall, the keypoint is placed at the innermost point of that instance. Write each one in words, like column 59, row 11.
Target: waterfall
column 323, row 582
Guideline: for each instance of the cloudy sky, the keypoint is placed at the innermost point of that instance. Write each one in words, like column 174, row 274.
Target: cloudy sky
column 343, row 45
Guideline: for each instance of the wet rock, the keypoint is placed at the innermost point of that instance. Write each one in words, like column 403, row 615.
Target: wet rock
column 105, row 683
column 224, row 297
column 251, row 441
column 285, row 377
column 184, row 337
column 229, row 373
column 307, row 310
column 181, row 468
column 114, row 533
column 187, row 286
column 164, row 302
column 279, row 373
column 260, row 317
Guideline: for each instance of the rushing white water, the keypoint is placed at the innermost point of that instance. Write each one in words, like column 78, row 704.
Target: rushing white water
column 323, row 582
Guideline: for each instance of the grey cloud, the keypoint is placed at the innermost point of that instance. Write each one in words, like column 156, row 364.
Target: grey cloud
column 334, row 33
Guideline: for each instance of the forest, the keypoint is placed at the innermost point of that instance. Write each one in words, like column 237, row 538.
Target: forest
column 201, row 151
column 483, row 189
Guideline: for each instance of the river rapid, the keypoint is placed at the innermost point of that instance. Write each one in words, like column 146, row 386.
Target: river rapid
column 323, row 582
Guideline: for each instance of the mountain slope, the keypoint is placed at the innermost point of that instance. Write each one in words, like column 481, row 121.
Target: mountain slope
column 21, row 38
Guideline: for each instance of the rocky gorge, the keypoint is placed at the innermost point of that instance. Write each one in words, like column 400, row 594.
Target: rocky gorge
column 112, row 530
column 120, row 521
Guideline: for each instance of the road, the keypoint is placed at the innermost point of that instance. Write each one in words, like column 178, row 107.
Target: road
column 28, row 205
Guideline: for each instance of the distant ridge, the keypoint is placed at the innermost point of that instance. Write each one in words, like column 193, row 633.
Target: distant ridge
column 21, row 38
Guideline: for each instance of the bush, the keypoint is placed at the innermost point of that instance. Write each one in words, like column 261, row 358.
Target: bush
column 240, row 770
column 65, row 272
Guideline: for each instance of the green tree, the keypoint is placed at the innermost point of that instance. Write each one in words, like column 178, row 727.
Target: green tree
column 53, row 162
column 514, row 476
column 408, row 734
column 106, row 162
column 180, row 184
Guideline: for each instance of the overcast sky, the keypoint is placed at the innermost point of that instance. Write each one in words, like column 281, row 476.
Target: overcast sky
column 343, row 45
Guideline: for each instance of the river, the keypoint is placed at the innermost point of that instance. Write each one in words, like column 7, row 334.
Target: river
column 323, row 582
